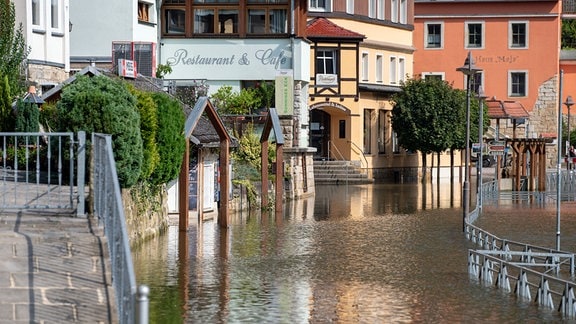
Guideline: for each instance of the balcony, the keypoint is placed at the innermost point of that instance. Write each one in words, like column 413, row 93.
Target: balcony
column 569, row 8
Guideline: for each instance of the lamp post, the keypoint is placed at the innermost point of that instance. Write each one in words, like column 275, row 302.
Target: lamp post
column 569, row 103
column 469, row 69
column 481, row 97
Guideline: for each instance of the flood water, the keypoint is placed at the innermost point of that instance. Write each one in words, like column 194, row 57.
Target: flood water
column 376, row 253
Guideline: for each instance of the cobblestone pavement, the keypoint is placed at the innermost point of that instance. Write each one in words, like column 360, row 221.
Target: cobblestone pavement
column 53, row 269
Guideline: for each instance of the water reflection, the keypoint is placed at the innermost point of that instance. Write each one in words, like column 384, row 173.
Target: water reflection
column 372, row 253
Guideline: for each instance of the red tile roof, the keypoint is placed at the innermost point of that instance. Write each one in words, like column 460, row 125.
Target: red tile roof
column 498, row 109
column 324, row 28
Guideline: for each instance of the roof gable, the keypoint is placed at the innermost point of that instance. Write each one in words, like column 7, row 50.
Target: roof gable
column 321, row 27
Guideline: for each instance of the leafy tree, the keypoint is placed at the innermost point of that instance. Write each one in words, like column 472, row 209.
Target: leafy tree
column 568, row 38
column 103, row 105
column 6, row 117
column 428, row 116
column 169, row 138
column 236, row 103
column 13, row 49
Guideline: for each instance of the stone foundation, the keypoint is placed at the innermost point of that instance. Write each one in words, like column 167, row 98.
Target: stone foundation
column 146, row 213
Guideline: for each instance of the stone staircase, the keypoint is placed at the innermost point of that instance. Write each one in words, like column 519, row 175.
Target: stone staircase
column 339, row 172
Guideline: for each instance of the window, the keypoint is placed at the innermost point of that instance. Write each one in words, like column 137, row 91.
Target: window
column 37, row 13
column 368, row 130
column 401, row 69
column 393, row 70
column 433, row 35
column 394, row 11
column 395, row 144
column 175, row 21
column 320, row 5
column 341, row 128
column 433, row 75
column 143, row 11
column 379, row 66
column 517, row 83
column 225, row 17
column 350, row 7
column 372, row 8
column 325, row 61
column 364, row 66
column 476, row 82
column 474, row 35
column 518, row 35
column 380, row 10
column 403, row 12
column 267, row 21
column 382, row 117
column 55, row 14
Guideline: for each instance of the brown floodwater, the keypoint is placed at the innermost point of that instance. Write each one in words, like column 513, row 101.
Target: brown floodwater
column 378, row 253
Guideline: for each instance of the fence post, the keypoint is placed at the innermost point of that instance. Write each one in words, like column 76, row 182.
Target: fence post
column 81, row 166
column 143, row 304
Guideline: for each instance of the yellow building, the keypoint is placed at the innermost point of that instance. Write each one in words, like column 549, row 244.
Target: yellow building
column 360, row 54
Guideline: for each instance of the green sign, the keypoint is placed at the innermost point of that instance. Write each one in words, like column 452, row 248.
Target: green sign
column 284, row 87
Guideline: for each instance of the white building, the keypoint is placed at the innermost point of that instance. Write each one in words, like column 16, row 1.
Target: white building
column 47, row 33
column 104, row 31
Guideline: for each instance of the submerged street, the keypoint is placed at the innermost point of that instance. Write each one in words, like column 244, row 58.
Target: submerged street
column 376, row 253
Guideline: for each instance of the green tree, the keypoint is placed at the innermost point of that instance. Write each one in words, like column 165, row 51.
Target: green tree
column 169, row 138
column 236, row 103
column 27, row 117
column 148, row 129
column 568, row 38
column 429, row 116
column 13, row 49
column 102, row 105
column 6, row 117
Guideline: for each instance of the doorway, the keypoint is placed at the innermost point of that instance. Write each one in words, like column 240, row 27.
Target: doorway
column 320, row 133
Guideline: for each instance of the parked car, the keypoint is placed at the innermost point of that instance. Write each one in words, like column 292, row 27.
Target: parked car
column 487, row 160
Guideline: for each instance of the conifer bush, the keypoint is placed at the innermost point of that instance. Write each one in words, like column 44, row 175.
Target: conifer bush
column 169, row 138
column 103, row 105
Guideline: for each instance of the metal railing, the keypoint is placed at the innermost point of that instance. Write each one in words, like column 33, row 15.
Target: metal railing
column 549, row 291
column 132, row 303
column 42, row 171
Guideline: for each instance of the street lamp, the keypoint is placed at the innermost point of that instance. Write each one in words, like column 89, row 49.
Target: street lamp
column 481, row 97
column 569, row 103
column 469, row 69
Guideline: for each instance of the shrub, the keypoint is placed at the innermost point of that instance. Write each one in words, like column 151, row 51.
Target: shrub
column 27, row 117
column 148, row 130
column 169, row 138
column 103, row 105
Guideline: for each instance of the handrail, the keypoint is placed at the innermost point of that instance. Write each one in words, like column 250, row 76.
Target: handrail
column 361, row 151
column 330, row 144
column 108, row 208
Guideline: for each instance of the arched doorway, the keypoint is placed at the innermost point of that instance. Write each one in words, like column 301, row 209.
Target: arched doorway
column 320, row 133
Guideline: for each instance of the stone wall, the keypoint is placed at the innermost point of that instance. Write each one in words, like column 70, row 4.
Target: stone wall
column 46, row 74
column 544, row 117
column 146, row 213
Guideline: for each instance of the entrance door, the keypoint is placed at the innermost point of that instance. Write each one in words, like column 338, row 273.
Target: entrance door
column 320, row 133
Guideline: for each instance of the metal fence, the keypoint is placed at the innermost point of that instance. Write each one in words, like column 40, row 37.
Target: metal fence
column 42, row 171
column 132, row 303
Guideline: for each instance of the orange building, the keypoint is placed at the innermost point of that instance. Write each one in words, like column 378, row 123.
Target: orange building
column 515, row 43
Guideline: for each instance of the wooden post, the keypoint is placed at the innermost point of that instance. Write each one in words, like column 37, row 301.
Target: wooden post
column 224, row 183
column 279, row 177
column 264, row 172
column 183, row 184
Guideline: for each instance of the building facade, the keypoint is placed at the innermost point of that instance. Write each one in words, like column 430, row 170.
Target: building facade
column 47, row 31
column 514, row 43
column 361, row 52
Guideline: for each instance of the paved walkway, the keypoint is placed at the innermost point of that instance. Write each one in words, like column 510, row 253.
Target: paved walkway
column 53, row 270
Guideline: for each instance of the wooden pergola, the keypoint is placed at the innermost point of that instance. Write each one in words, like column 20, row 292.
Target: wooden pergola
column 203, row 105
column 529, row 154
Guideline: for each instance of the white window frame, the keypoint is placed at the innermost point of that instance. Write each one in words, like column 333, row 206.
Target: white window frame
column 510, row 94
column 394, row 11
column 332, row 60
column 365, row 66
column 430, row 74
column 313, row 6
column 379, row 68
column 59, row 17
column 526, row 38
column 426, row 24
column 41, row 15
column 467, row 32
column 401, row 69
column 403, row 12
column 481, row 74
column 393, row 70
column 350, row 7
column 372, row 8
column 381, row 9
